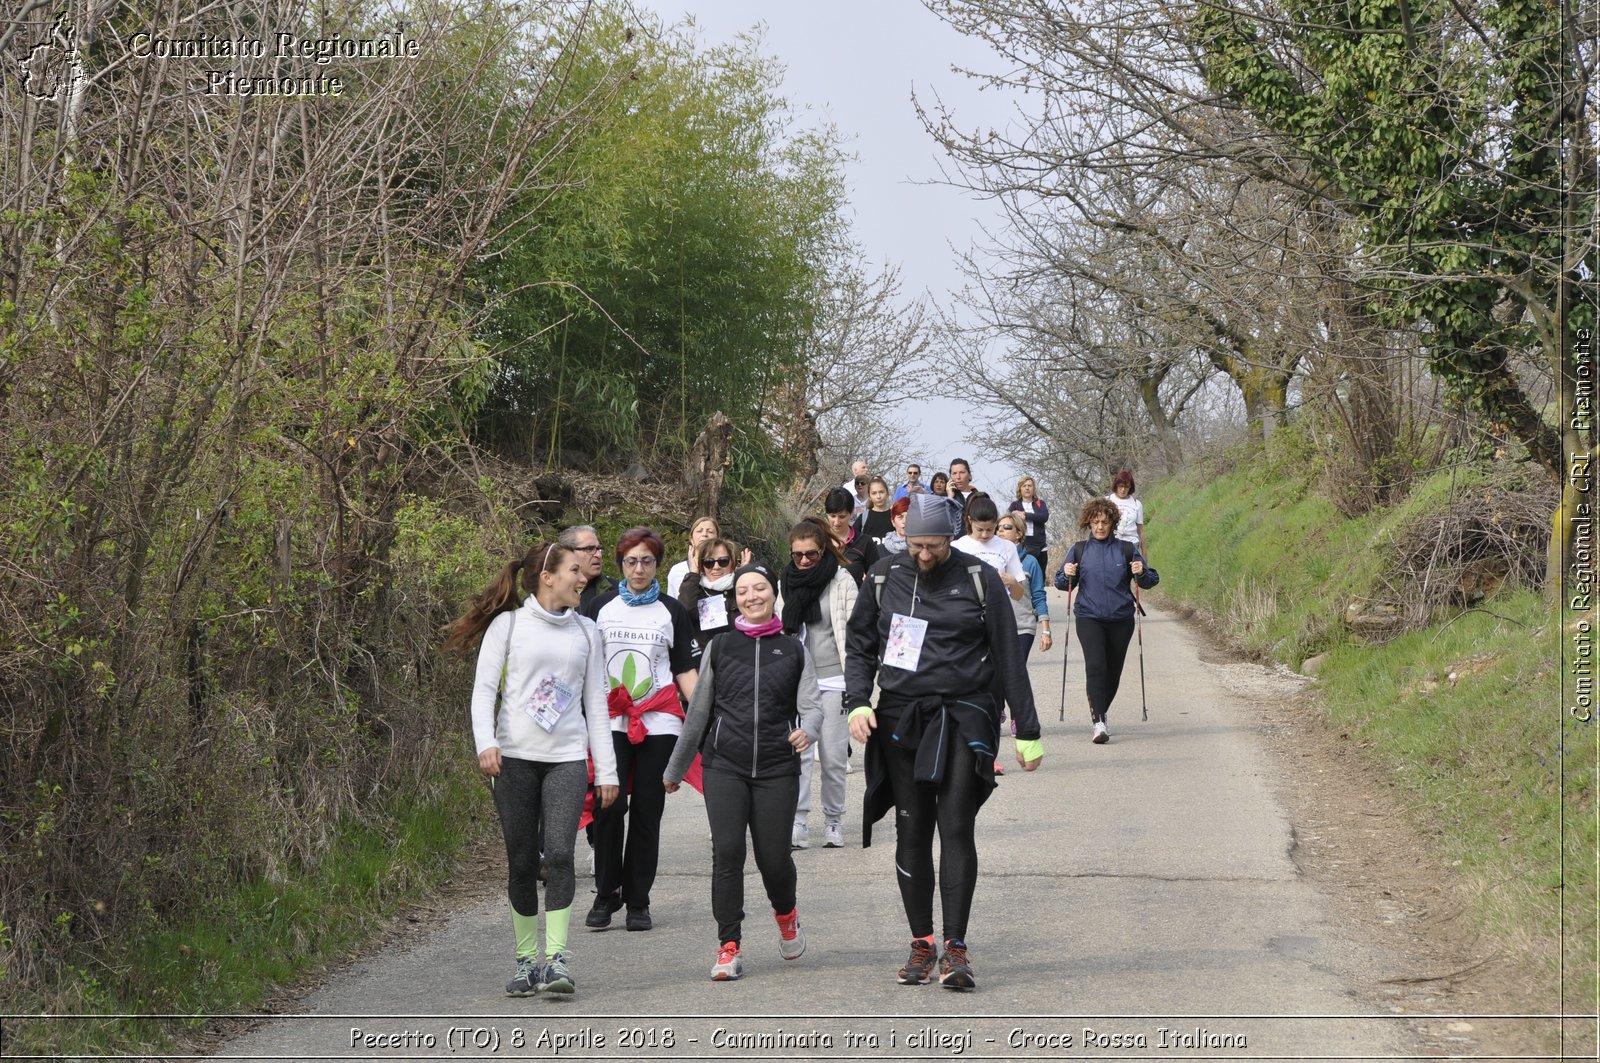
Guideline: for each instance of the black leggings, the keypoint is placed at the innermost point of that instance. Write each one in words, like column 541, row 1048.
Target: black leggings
column 529, row 794
column 627, row 847
column 1104, row 644
column 765, row 807
column 951, row 806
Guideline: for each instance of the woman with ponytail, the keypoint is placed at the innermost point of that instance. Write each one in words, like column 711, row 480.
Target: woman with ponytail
column 538, row 714
column 651, row 657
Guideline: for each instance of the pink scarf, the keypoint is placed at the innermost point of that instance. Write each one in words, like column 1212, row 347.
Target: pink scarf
column 755, row 631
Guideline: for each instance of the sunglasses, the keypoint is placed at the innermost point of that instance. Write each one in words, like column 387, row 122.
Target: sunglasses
column 804, row 555
column 1006, row 527
column 717, row 562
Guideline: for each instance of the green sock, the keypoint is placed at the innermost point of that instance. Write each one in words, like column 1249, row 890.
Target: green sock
column 555, row 929
column 527, row 928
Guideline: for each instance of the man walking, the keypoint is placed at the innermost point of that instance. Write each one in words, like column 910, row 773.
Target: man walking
column 933, row 627
column 913, row 484
column 585, row 542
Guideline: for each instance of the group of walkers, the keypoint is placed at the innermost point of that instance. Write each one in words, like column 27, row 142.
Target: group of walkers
column 743, row 674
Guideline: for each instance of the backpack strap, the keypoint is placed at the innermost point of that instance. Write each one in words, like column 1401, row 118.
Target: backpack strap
column 976, row 572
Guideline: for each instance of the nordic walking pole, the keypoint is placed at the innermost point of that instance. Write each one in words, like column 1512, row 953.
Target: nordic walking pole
column 1138, row 612
column 1066, row 645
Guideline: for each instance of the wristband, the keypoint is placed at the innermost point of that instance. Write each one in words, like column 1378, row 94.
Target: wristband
column 858, row 710
column 1030, row 749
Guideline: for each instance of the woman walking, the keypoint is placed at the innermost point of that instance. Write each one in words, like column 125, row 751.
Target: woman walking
column 875, row 521
column 1100, row 569
column 706, row 593
column 1035, row 515
column 650, row 657
column 817, row 595
column 755, row 709
column 538, row 714
column 1033, row 608
column 859, row 552
column 1130, row 511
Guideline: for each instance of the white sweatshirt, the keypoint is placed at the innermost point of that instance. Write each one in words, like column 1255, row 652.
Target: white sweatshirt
column 565, row 646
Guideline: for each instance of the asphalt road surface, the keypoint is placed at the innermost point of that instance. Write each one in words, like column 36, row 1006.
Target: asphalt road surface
column 1135, row 900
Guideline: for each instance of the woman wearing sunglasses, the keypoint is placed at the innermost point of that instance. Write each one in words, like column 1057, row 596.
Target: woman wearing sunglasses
column 1033, row 608
column 707, row 590
column 816, row 594
column 651, row 657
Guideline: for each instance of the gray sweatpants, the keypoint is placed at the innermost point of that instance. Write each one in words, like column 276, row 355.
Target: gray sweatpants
column 834, row 748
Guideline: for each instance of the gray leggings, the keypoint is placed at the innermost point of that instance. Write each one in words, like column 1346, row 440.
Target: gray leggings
column 525, row 792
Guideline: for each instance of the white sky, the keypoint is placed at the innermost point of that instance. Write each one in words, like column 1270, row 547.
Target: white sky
column 856, row 63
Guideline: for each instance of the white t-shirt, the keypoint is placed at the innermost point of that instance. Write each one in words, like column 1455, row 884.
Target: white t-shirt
column 1132, row 511
column 999, row 554
column 675, row 576
column 645, row 646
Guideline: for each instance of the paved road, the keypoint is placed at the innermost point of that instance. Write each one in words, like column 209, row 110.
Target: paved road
column 1137, row 896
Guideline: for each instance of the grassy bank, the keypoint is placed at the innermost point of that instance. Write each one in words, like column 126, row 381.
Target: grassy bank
column 1466, row 711
column 262, row 935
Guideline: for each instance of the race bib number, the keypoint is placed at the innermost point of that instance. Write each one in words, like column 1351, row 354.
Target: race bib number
column 550, row 699
column 713, row 612
column 906, row 634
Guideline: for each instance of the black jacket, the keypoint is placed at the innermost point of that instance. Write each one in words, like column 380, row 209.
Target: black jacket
column 751, row 694
column 967, row 640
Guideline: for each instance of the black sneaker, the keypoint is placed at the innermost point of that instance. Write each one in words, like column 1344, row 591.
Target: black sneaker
column 599, row 916
column 639, row 918
column 919, row 968
column 526, row 983
column 954, row 970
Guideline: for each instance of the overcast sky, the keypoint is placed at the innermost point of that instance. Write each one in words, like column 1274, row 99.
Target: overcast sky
column 856, row 64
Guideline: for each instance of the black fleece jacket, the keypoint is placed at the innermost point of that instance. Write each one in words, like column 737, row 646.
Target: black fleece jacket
column 967, row 640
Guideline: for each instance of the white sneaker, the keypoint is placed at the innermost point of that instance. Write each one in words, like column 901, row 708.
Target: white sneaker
column 833, row 835
column 1101, row 735
column 798, row 837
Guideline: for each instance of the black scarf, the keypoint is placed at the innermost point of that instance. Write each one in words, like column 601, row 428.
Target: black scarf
column 803, row 589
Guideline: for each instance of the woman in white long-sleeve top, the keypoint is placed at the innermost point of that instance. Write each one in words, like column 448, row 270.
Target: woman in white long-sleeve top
column 538, row 714
column 755, row 709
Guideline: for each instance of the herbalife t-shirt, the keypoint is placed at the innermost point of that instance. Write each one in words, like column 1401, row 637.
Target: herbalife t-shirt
column 645, row 646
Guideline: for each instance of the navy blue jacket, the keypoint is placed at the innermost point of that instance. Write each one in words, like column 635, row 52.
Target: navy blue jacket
column 1104, row 573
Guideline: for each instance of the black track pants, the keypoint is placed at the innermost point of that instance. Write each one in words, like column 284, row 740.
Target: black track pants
column 1104, row 645
column 951, row 807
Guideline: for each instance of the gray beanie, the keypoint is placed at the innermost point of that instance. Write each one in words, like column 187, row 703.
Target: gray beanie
column 932, row 515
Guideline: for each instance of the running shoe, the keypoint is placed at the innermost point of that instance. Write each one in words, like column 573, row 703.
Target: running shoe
column 954, row 970
column 526, row 983
column 556, row 976
column 1101, row 735
column 833, row 835
column 919, row 968
column 729, row 965
column 639, row 918
column 798, row 837
column 599, row 916
column 791, row 939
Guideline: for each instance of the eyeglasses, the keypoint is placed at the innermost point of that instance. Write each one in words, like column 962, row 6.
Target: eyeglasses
column 717, row 562
column 639, row 562
column 587, row 549
column 804, row 555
